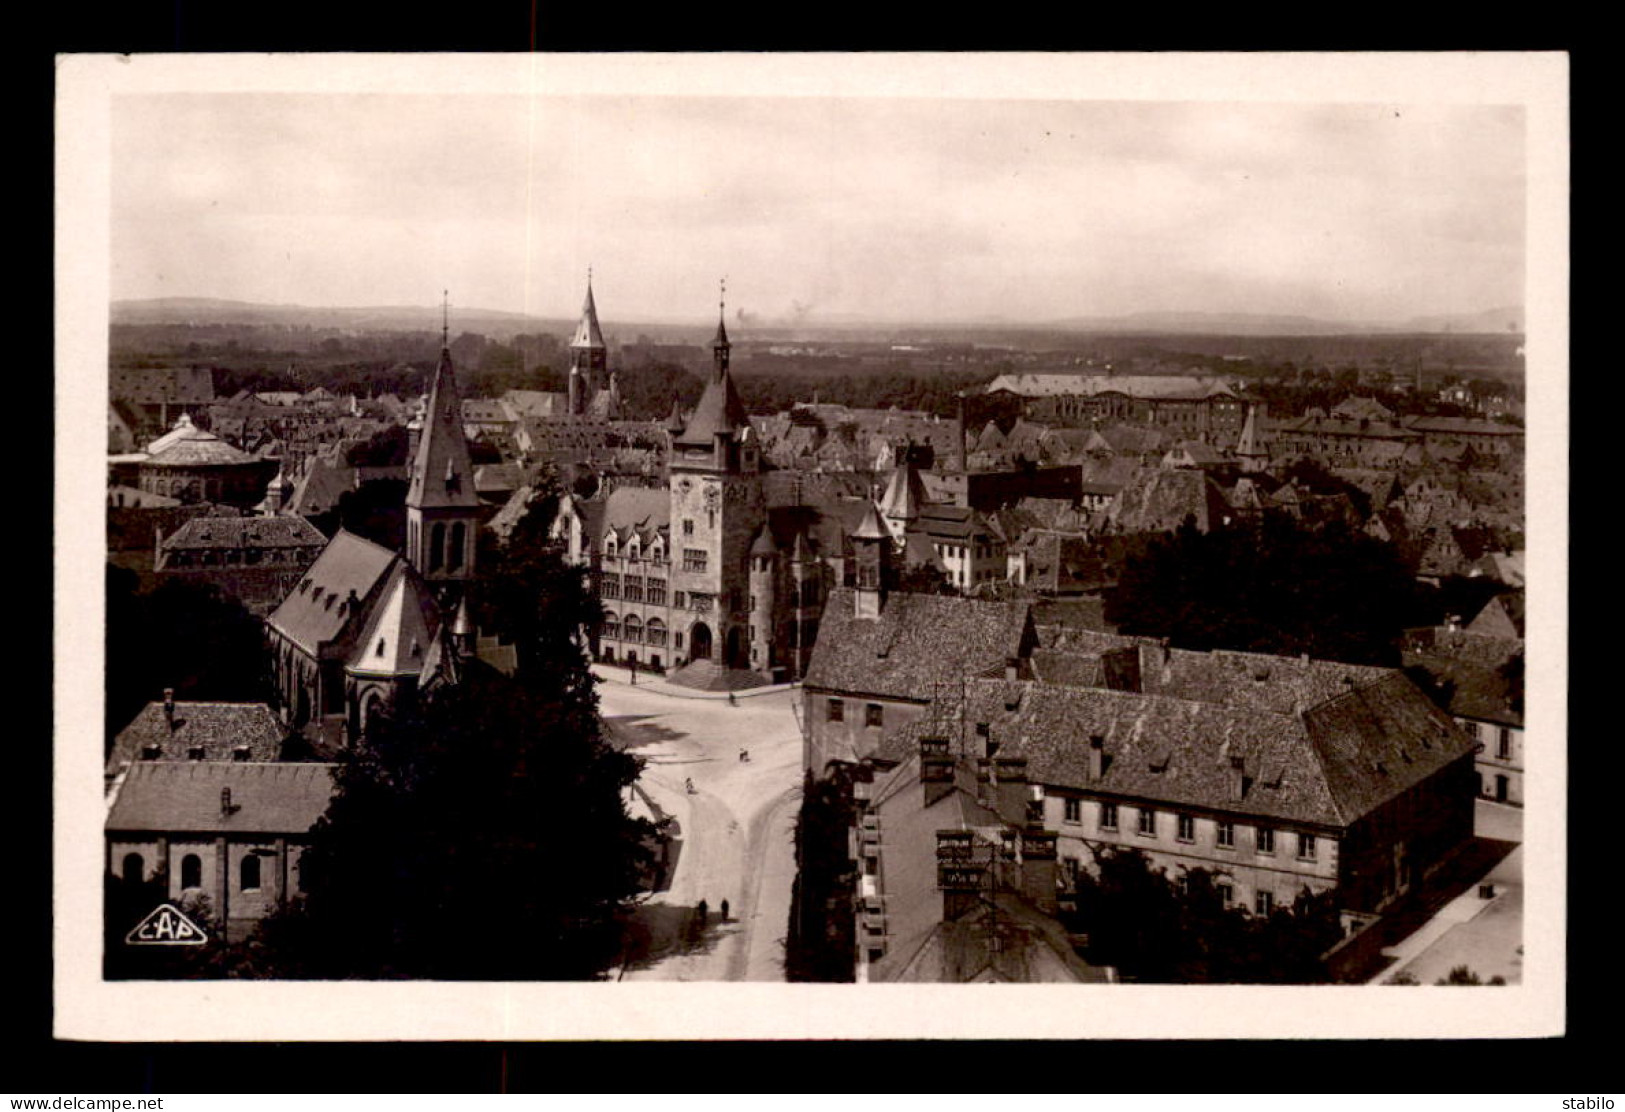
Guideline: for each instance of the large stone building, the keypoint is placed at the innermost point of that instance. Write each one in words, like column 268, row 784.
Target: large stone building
column 1201, row 408
column 231, row 832
column 700, row 570
column 193, row 465
column 1275, row 774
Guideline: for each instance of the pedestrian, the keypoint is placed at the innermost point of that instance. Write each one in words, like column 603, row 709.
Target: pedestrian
column 732, row 702
column 702, row 912
column 724, row 910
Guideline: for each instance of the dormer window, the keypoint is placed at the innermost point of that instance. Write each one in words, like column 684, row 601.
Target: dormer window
column 380, row 646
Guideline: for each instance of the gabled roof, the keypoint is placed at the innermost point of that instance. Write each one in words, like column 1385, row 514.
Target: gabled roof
column 318, row 609
column 219, row 729
column 186, row 797
column 917, row 640
column 521, row 404
column 215, row 531
column 400, row 627
column 905, row 494
column 441, row 475
column 1330, row 766
column 1158, row 387
column 637, row 508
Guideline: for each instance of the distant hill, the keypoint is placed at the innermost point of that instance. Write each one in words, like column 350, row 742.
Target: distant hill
column 1263, row 324
column 393, row 318
column 499, row 324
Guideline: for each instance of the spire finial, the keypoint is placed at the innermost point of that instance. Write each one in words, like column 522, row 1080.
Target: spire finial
column 722, row 303
column 445, row 318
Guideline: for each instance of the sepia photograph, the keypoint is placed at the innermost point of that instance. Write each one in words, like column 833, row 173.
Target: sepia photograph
column 662, row 546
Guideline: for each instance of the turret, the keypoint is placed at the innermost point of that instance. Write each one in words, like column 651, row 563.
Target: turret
column 905, row 494
column 764, row 570
column 871, row 544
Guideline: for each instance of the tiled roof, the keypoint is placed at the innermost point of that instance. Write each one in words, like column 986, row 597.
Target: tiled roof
column 1158, row 387
column 521, row 404
column 484, row 411
column 917, row 640
column 1477, row 690
column 1159, row 500
column 186, row 797
column 904, row 494
column 1460, row 426
column 197, row 449
column 217, row 728
column 1328, row 766
column 635, row 507
column 319, row 489
column 317, row 610
column 281, row 531
column 175, row 385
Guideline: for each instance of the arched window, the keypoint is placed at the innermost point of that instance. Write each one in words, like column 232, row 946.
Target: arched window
column 459, row 541
column 634, row 628
column 135, row 868
column 191, row 871
column 437, row 546
column 249, row 873
column 375, row 704
column 612, row 626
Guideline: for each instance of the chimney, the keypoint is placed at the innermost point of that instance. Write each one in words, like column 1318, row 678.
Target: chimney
column 1038, row 872
column 1097, row 759
column 936, row 769
column 1010, row 789
column 1238, row 777
column 169, row 706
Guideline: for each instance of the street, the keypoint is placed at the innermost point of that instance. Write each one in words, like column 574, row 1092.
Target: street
column 735, row 833
column 1485, row 935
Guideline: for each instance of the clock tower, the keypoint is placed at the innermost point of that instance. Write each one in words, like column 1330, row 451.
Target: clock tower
column 717, row 509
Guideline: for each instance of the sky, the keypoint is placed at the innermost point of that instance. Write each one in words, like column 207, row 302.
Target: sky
column 820, row 208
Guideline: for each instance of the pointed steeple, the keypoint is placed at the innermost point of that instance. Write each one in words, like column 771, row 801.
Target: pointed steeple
column 675, row 423
column 720, row 347
column 588, row 335
column 441, row 473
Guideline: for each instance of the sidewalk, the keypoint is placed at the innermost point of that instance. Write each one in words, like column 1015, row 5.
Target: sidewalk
column 649, row 681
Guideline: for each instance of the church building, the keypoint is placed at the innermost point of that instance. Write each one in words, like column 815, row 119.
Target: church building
column 366, row 627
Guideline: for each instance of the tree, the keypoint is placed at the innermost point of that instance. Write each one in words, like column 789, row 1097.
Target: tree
column 188, row 636
column 1275, row 586
column 1155, row 930
column 481, row 835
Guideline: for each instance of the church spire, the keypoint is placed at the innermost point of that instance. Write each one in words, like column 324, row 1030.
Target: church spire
column 588, row 335
column 719, row 343
column 445, row 320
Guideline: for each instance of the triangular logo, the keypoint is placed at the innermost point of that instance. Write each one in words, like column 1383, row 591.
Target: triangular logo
column 166, row 926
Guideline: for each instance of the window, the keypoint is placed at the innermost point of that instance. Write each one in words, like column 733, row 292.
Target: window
column 1470, row 729
column 609, row 585
column 1227, row 834
column 1187, row 829
column 1503, row 743
column 694, row 559
column 1266, row 840
column 134, row 868
column 633, row 589
column 191, row 871
column 1306, row 846
column 677, row 640
column 655, row 592
column 836, row 711
column 874, row 715
column 1263, row 901
column 459, row 544
column 437, row 545
column 1227, row 892
column 688, row 527
column 1108, row 816
column 1148, row 821
column 678, row 599
column 249, row 873
column 1073, row 810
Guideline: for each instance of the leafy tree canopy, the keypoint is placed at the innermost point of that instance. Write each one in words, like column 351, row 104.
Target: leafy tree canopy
column 1274, row 586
